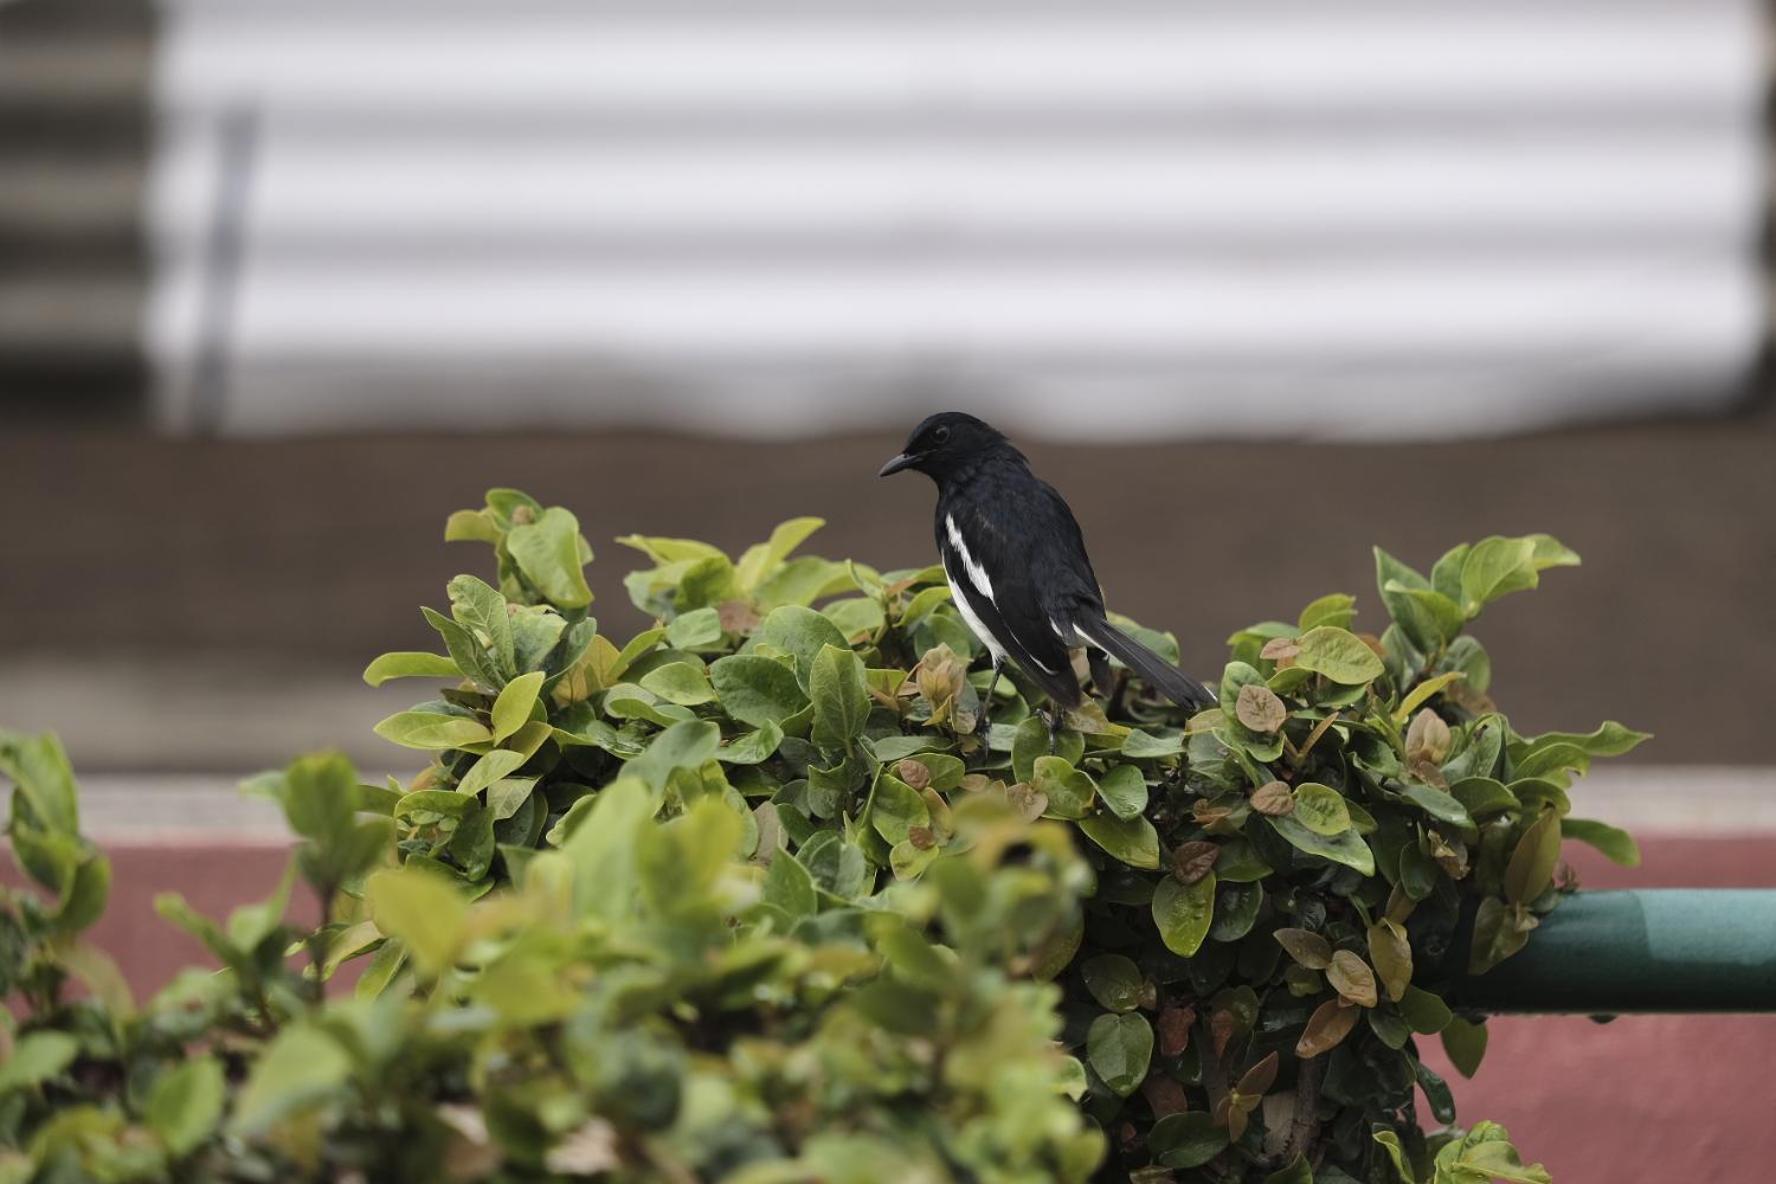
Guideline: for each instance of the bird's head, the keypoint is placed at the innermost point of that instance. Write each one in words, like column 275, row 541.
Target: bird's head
column 946, row 442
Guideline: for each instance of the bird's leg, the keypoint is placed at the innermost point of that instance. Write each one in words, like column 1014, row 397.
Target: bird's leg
column 981, row 723
column 1051, row 715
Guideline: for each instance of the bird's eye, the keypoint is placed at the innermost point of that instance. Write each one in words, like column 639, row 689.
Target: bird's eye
column 942, row 434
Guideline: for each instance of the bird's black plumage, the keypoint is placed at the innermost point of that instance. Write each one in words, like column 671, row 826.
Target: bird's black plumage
column 1017, row 564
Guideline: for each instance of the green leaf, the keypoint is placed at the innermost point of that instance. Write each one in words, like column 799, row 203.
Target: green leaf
column 1482, row 797
column 1485, row 1153
column 1422, row 694
column 1184, row 913
column 761, row 559
column 36, row 1058
column 1337, row 610
column 301, row 1067
column 1070, row 791
column 1616, row 844
column 1425, row 1012
column 1114, row 981
column 1347, row 848
column 495, row 766
column 512, row 709
column 840, row 697
column 1141, row 746
column 552, row 556
column 757, row 690
column 1119, row 1048
column 1496, row 567
column 479, row 608
column 1439, row 618
column 422, row 909
column 1610, row 739
column 685, row 745
column 1465, row 1045
column 1338, row 654
column 1394, row 580
column 1321, row 809
column 802, row 633
column 1124, row 791
column 1438, row 804
column 683, row 683
column 410, row 664
column 432, row 730
column 752, row 748
column 1530, row 871
column 186, row 1104
column 38, row 766
column 1187, row 1140
column 896, row 808
column 1131, row 840
column 699, row 629
column 790, row 887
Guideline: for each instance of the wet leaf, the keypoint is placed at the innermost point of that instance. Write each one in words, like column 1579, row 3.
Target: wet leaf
column 1184, row 913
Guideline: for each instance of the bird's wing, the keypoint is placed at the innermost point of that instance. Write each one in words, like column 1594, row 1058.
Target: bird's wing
column 990, row 569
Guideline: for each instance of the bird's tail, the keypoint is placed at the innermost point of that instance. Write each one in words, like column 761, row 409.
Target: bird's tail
column 1173, row 683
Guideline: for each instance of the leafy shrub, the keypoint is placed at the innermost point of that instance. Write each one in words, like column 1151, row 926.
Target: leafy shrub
column 675, row 905
column 645, row 1003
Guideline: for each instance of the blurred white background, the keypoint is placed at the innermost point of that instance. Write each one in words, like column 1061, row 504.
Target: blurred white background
column 1374, row 218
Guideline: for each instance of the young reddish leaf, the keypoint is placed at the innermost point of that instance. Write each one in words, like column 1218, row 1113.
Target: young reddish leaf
column 1273, row 798
column 1194, row 860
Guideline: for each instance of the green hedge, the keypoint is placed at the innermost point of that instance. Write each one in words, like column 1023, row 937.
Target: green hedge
column 784, row 889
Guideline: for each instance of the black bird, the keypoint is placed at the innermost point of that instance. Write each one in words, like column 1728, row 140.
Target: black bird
column 1017, row 565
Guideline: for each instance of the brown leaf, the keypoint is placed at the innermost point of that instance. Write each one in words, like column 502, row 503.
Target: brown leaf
column 1351, row 977
column 1164, row 1095
column 1236, row 1119
column 1421, row 769
column 922, row 837
column 1392, row 955
column 1259, row 709
column 737, row 616
column 1259, row 1078
column 1374, row 643
column 1399, row 905
column 1308, row 949
column 1273, row 798
column 913, row 773
column 1224, row 1025
column 1194, row 860
column 1428, row 738
column 1281, row 650
column 1174, row 1029
column 1326, row 1028
column 1029, row 802
column 1451, row 857
column 1207, row 814
column 976, row 783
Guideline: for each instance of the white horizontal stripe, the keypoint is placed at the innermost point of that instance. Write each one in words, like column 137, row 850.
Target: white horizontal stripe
column 1382, row 54
column 1641, row 187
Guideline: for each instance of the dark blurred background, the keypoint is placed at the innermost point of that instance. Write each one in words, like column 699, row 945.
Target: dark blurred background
column 1258, row 284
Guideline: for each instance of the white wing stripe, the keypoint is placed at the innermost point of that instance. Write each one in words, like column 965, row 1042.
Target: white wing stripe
column 977, row 575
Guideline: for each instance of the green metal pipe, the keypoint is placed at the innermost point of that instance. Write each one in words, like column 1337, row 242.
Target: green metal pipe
column 1651, row 950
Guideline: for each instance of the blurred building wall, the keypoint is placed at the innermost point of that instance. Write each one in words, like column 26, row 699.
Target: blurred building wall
column 1379, row 218
column 74, row 140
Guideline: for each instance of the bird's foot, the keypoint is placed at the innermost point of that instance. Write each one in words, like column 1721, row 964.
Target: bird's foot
column 1052, row 717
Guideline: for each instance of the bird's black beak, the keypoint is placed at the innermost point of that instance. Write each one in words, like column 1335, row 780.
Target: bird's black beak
column 896, row 464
